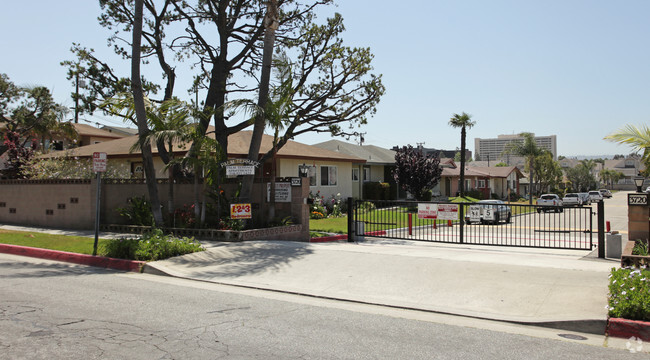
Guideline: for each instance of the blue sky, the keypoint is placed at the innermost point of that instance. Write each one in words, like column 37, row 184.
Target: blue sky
column 577, row 69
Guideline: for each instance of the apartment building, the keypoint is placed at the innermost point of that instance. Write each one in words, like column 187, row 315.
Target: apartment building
column 494, row 149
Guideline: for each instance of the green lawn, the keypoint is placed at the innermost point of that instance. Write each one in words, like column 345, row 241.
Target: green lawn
column 75, row 244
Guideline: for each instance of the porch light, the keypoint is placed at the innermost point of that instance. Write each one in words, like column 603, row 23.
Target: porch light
column 303, row 170
column 638, row 181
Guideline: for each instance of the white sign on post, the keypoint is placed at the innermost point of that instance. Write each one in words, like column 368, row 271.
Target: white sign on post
column 99, row 162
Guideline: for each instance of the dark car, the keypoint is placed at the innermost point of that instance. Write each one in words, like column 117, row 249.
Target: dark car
column 489, row 211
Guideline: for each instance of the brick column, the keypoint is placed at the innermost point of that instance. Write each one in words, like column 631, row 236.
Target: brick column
column 637, row 222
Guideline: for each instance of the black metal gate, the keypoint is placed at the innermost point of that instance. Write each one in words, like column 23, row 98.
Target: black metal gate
column 501, row 224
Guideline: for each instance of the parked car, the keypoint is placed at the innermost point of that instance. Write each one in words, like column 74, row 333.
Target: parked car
column 647, row 189
column 586, row 200
column 489, row 211
column 595, row 196
column 572, row 199
column 605, row 193
column 549, row 202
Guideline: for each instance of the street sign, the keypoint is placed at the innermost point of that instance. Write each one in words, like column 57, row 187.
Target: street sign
column 475, row 213
column 427, row 211
column 99, row 162
column 240, row 211
column 637, row 199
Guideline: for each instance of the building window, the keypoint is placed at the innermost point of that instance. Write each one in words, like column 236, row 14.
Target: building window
column 366, row 173
column 355, row 174
column 328, row 175
column 137, row 170
column 312, row 176
column 481, row 184
column 468, row 184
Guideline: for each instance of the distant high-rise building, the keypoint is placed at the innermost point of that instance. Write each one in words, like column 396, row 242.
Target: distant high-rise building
column 494, row 149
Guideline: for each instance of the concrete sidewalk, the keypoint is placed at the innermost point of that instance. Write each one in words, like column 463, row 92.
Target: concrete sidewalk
column 565, row 289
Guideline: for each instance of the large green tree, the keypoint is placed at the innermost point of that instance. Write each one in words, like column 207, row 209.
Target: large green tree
column 30, row 113
column 334, row 83
column 464, row 122
column 415, row 172
column 549, row 172
column 581, row 177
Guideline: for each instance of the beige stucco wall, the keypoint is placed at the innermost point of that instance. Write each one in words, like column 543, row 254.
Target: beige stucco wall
column 289, row 168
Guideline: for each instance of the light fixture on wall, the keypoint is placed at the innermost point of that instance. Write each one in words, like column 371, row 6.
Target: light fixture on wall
column 303, row 170
column 638, row 181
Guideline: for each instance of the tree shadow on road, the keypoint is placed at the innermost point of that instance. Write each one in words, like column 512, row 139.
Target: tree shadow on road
column 246, row 258
column 24, row 269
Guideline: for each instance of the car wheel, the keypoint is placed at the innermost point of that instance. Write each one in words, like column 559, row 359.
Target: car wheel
column 539, row 211
column 497, row 218
column 508, row 218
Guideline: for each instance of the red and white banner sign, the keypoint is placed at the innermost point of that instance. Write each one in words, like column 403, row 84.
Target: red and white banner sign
column 427, row 211
column 448, row 211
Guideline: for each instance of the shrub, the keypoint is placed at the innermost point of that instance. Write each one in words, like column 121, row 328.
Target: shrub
column 629, row 294
column 138, row 212
column 640, row 248
column 151, row 246
column 376, row 190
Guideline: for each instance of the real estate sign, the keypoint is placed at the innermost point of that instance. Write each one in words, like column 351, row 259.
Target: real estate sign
column 240, row 211
column 282, row 192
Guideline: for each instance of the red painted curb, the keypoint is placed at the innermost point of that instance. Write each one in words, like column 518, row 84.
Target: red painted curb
column 342, row 237
column 624, row 328
column 328, row 238
column 82, row 259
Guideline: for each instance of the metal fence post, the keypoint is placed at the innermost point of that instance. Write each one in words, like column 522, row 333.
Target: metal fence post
column 601, row 229
column 350, row 220
column 461, row 214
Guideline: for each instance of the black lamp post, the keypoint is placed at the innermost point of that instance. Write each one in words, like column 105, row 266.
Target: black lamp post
column 303, row 170
column 638, row 181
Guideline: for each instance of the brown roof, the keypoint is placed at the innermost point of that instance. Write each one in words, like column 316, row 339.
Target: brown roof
column 238, row 144
column 483, row 171
column 87, row 130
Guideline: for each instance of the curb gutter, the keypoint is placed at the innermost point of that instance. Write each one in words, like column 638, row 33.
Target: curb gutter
column 82, row 259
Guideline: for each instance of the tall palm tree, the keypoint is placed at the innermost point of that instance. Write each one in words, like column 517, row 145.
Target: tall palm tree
column 638, row 138
column 464, row 122
column 529, row 150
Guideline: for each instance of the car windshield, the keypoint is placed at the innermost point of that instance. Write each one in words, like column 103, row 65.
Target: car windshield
column 548, row 197
column 571, row 195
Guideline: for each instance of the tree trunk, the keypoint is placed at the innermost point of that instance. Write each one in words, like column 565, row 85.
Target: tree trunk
column 141, row 117
column 271, row 24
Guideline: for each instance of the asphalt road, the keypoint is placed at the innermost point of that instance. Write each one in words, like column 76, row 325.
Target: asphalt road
column 52, row 310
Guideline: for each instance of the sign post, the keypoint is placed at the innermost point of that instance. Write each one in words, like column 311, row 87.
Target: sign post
column 99, row 166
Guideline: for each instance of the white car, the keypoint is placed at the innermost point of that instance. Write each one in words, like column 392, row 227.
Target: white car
column 572, row 199
column 605, row 193
column 549, row 202
column 595, row 195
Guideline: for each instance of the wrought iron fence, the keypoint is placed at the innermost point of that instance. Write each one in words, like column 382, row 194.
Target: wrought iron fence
column 505, row 224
